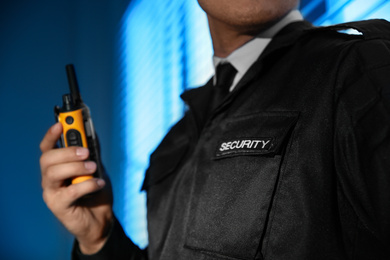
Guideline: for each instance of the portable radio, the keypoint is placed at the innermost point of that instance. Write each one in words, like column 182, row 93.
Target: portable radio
column 77, row 124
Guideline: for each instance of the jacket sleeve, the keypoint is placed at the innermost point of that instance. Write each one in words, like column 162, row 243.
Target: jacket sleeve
column 362, row 148
column 118, row 247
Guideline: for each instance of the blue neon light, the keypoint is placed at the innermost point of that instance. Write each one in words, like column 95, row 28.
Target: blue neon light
column 162, row 56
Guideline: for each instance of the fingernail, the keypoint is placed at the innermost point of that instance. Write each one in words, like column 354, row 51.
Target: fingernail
column 80, row 151
column 90, row 165
column 55, row 128
column 100, row 182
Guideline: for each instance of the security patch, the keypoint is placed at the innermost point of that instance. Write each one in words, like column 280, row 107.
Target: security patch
column 244, row 146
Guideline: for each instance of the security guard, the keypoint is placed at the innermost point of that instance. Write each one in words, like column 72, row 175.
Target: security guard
column 291, row 159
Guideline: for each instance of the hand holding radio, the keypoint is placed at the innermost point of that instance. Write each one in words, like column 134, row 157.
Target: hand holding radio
column 78, row 129
column 83, row 206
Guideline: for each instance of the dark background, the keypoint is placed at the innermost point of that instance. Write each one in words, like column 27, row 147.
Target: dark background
column 37, row 39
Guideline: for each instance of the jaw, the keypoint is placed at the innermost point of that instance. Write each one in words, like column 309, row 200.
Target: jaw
column 234, row 22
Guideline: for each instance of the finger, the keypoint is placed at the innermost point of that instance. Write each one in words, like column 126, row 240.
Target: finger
column 51, row 137
column 76, row 191
column 61, row 156
column 57, row 175
column 59, row 201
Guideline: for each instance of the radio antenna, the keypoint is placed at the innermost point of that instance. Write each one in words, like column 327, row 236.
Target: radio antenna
column 73, row 85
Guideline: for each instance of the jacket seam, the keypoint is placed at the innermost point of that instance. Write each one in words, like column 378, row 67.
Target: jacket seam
column 337, row 102
column 279, row 182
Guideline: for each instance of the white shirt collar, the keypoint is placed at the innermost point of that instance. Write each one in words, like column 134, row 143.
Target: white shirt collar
column 243, row 57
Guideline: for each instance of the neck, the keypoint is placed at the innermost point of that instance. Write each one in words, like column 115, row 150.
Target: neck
column 226, row 38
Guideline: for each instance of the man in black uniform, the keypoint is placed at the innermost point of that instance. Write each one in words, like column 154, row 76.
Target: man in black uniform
column 291, row 159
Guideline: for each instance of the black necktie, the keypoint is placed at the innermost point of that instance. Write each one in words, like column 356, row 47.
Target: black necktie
column 225, row 74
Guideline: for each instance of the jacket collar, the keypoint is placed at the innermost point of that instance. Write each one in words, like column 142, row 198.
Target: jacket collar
column 198, row 98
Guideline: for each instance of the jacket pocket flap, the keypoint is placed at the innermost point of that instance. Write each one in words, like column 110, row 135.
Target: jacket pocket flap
column 256, row 134
column 232, row 197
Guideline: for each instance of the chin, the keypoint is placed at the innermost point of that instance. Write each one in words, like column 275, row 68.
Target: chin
column 247, row 12
column 253, row 21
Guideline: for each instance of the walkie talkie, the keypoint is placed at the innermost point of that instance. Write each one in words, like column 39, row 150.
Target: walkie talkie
column 78, row 129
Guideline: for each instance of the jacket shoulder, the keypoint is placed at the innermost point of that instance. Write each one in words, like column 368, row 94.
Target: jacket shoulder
column 368, row 29
column 348, row 34
column 367, row 46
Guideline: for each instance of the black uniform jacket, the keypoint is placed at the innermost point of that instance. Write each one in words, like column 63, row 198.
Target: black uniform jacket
column 294, row 164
